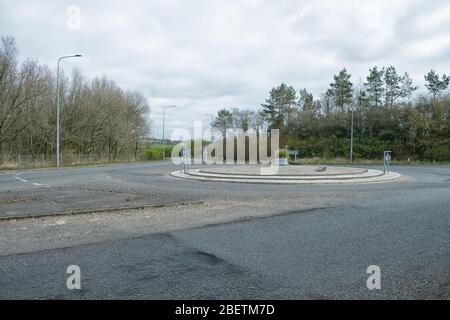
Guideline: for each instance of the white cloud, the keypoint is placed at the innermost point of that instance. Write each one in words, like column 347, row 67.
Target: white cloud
column 203, row 55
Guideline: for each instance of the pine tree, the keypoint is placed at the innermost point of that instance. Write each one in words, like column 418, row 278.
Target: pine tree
column 223, row 121
column 434, row 84
column 306, row 101
column 374, row 86
column 397, row 86
column 342, row 89
column 392, row 85
column 406, row 86
column 280, row 103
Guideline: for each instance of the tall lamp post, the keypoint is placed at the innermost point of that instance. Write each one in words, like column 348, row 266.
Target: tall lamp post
column 212, row 122
column 207, row 115
column 351, row 138
column 58, row 153
column 164, row 119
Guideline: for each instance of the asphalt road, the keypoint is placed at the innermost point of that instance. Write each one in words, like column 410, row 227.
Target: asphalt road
column 244, row 241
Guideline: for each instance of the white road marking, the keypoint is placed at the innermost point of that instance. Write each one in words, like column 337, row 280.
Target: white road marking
column 59, row 222
column 34, row 183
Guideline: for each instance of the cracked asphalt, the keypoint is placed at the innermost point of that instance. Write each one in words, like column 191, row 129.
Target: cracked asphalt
column 241, row 241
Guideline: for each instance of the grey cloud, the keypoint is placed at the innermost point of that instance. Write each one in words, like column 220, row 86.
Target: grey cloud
column 204, row 55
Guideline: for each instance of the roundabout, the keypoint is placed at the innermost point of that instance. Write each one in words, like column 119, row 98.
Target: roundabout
column 288, row 175
column 236, row 234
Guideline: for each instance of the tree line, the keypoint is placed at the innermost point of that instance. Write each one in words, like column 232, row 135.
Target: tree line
column 386, row 116
column 97, row 117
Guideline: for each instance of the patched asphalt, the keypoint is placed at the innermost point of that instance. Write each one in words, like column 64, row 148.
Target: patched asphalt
column 281, row 242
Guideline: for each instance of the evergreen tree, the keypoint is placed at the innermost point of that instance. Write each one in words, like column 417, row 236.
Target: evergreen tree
column 361, row 98
column 406, row 86
column 374, row 86
column 436, row 85
column 328, row 98
column 342, row 89
column 280, row 103
column 397, row 86
column 223, row 121
column 392, row 85
column 306, row 101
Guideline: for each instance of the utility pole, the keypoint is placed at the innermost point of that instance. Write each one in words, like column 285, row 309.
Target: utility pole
column 58, row 153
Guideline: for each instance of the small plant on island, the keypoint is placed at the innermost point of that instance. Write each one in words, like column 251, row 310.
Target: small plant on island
column 282, row 157
column 282, row 154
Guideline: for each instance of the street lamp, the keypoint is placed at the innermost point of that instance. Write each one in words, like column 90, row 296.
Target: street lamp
column 58, row 161
column 164, row 119
column 351, row 137
column 211, row 124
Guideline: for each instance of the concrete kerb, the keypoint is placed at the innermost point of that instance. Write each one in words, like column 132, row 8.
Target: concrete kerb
column 371, row 176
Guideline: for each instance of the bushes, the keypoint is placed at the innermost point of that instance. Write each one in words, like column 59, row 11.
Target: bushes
column 437, row 152
column 326, row 147
column 156, row 152
column 371, row 147
column 282, row 154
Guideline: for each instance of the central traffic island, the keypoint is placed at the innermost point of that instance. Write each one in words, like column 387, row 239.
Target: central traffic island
column 295, row 174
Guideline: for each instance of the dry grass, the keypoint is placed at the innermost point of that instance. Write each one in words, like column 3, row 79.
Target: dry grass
column 12, row 200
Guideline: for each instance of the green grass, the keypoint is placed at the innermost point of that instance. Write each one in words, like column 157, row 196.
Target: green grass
column 154, row 153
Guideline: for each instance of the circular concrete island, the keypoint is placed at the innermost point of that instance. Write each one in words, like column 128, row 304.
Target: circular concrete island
column 306, row 174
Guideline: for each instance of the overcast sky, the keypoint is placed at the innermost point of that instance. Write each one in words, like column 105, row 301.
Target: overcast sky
column 206, row 55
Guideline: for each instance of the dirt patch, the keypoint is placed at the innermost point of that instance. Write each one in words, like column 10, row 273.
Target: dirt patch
column 12, row 200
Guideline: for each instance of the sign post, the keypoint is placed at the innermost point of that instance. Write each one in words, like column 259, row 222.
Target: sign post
column 293, row 153
column 387, row 162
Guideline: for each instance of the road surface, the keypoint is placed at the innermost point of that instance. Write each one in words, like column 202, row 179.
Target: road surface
column 241, row 241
